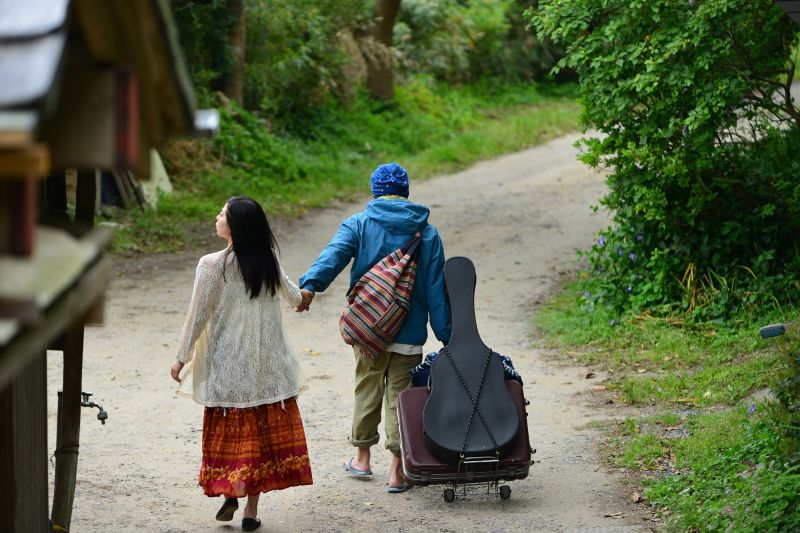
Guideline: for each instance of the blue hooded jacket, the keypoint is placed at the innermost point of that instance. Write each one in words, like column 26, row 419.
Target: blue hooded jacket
column 367, row 237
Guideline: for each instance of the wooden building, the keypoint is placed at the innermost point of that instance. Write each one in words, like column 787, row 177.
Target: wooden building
column 792, row 8
column 84, row 85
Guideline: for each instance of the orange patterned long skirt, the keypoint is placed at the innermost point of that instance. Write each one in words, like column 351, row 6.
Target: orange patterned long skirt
column 254, row 449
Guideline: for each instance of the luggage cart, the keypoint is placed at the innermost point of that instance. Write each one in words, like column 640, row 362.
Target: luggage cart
column 470, row 474
column 469, row 481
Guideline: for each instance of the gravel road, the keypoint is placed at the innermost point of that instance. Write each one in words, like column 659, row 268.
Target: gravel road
column 520, row 219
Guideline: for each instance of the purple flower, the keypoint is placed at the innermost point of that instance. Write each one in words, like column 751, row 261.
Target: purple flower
column 619, row 250
column 751, row 409
column 639, row 237
column 630, row 289
column 612, row 322
column 632, row 256
column 601, row 241
column 587, row 294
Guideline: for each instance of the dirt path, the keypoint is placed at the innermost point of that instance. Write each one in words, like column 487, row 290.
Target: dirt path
column 520, row 218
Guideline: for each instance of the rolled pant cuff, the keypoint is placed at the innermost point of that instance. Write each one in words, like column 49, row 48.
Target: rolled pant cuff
column 366, row 443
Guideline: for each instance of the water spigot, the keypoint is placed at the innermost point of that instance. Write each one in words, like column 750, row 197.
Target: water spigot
column 102, row 416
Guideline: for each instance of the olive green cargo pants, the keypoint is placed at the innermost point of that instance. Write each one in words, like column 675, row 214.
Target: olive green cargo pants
column 378, row 382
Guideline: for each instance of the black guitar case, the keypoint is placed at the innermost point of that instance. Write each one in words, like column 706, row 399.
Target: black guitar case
column 469, row 411
column 420, row 467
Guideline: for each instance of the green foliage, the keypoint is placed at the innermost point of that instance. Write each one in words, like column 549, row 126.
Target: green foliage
column 712, row 456
column 301, row 54
column 663, row 361
column 796, row 58
column 721, row 471
column 294, row 55
column 462, row 41
column 745, row 485
column 702, row 152
column 434, row 128
column 204, row 31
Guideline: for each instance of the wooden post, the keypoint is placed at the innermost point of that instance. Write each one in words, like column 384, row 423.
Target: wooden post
column 23, row 441
column 18, row 199
column 57, row 193
column 86, row 197
column 19, row 170
column 68, row 428
column 69, row 409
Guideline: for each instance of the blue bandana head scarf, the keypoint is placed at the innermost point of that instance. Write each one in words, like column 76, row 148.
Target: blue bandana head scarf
column 389, row 180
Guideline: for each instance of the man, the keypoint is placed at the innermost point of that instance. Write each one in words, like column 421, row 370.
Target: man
column 386, row 224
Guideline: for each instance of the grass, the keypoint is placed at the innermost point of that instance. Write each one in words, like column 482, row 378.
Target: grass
column 658, row 360
column 430, row 129
column 713, row 449
column 732, row 478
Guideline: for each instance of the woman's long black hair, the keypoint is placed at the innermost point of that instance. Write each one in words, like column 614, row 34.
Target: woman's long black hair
column 254, row 245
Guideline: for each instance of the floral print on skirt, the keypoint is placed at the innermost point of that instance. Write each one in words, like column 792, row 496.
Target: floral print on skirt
column 254, row 449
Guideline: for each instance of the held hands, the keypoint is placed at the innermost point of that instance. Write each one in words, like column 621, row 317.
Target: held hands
column 306, row 303
column 175, row 370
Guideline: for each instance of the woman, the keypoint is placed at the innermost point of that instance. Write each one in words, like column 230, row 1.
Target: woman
column 241, row 368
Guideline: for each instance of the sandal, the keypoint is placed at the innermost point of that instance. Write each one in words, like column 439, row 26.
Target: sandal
column 348, row 466
column 249, row 524
column 225, row 513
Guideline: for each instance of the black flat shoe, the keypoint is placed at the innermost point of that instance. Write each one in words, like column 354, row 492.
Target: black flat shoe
column 225, row 513
column 249, row 524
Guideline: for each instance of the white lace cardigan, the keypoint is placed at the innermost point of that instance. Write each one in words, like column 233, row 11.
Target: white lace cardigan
column 235, row 346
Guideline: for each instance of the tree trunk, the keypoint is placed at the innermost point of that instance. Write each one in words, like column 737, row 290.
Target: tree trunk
column 234, row 84
column 380, row 68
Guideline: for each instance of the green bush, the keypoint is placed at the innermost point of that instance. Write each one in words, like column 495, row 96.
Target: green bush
column 204, row 30
column 711, row 456
column 300, row 54
column 432, row 128
column 461, row 41
column 294, row 56
column 702, row 151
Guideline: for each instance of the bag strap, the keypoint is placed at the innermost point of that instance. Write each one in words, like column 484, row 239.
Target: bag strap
column 475, row 408
column 412, row 246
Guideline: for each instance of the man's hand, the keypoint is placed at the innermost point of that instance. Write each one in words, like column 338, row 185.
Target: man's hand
column 308, row 296
column 175, row 370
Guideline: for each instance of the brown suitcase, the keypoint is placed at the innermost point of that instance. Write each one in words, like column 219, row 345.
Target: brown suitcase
column 420, row 467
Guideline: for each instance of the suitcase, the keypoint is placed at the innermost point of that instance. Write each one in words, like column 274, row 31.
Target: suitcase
column 420, row 467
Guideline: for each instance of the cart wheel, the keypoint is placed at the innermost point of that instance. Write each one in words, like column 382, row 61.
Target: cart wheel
column 449, row 495
column 505, row 492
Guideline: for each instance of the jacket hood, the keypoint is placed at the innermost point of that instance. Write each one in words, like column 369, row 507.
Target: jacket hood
column 398, row 216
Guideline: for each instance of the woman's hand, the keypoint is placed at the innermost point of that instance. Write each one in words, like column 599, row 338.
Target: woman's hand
column 306, row 303
column 175, row 370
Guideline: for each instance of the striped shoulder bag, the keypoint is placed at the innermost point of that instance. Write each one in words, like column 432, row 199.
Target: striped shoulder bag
column 378, row 303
